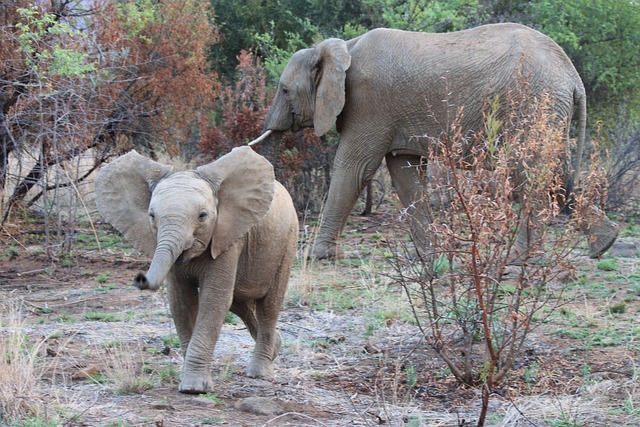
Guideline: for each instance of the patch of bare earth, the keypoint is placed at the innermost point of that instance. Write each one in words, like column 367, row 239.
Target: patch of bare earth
column 338, row 367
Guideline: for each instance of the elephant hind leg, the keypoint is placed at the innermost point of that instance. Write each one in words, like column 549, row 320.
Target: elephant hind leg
column 600, row 231
column 267, row 311
column 246, row 310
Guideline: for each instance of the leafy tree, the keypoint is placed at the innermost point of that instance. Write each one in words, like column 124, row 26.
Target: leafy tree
column 102, row 74
column 603, row 40
column 240, row 22
column 425, row 15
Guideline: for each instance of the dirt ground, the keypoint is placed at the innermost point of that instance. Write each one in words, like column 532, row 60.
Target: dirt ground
column 95, row 331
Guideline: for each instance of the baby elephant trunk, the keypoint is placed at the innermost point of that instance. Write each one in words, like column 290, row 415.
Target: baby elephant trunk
column 166, row 254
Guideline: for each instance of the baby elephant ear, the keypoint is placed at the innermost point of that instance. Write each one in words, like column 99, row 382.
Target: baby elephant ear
column 244, row 183
column 122, row 192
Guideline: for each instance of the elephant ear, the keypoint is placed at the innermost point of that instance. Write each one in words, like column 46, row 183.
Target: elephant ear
column 123, row 192
column 334, row 60
column 244, row 183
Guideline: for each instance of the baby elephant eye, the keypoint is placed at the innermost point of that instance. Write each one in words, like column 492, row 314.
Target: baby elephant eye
column 203, row 216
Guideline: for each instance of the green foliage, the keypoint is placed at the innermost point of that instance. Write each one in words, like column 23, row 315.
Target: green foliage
column 601, row 38
column 241, row 22
column 275, row 56
column 43, row 29
column 136, row 16
column 425, row 15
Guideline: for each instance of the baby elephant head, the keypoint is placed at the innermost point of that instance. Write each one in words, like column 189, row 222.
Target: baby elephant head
column 176, row 216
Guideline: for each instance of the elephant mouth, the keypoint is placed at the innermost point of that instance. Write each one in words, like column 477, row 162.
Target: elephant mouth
column 197, row 249
column 295, row 122
column 183, row 258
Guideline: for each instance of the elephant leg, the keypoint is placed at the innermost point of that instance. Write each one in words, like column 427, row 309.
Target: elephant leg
column 183, row 302
column 246, row 310
column 353, row 170
column 527, row 242
column 601, row 232
column 268, row 339
column 216, row 294
column 412, row 189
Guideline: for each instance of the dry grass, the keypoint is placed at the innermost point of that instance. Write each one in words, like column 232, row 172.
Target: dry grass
column 125, row 370
column 19, row 370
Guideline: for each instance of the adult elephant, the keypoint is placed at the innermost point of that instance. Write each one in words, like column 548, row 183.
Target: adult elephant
column 224, row 237
column 386, row 87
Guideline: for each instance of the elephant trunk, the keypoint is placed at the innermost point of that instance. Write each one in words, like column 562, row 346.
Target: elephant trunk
column 167, row 251
column 271, row 149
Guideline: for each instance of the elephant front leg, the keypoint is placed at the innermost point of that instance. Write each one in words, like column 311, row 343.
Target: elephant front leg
column 352, row 172
column 214, row 303
column 183, row 301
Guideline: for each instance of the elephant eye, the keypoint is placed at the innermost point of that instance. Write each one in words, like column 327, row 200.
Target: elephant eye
column 152, row 216
column 285, row 90
column 203, row 216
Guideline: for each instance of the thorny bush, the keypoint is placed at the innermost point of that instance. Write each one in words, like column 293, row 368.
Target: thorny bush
column 473, row 305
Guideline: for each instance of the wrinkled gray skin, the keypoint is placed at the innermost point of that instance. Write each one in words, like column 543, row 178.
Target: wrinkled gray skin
column 223, row 236
column 390, row 91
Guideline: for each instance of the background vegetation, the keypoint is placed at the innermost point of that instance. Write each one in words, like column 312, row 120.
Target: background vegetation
column 191, row 79
column 82, row 81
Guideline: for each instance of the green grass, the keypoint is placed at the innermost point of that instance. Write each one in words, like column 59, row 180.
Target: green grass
column 168, row 375
column 36, row 422
column 607, row 264
column 618, row 308
column 171, row 341
column 212, row 397
column 598, row 337
column 101, row 317
column 102, row 278
column 64, row 317
column 106, row 288
column 11, row 252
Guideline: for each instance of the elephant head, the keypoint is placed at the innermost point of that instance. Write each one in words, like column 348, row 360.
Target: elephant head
column 176, row 216
column 311, row 91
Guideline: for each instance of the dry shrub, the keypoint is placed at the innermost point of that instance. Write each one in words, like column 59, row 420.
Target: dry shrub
column 475, row 293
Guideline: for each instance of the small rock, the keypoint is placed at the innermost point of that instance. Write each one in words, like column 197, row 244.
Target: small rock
column 624, row 250
column 202, row 401
column 260, row 406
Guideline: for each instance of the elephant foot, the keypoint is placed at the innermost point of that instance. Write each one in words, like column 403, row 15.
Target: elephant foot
column 601, row 236
column 195, row 383
column 260, row 369
column 325, row 251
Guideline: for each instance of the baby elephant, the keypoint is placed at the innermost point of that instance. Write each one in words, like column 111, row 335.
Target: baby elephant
column 223, row 236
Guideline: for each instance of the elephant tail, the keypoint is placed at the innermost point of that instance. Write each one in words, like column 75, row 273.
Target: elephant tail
column 580, row 99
